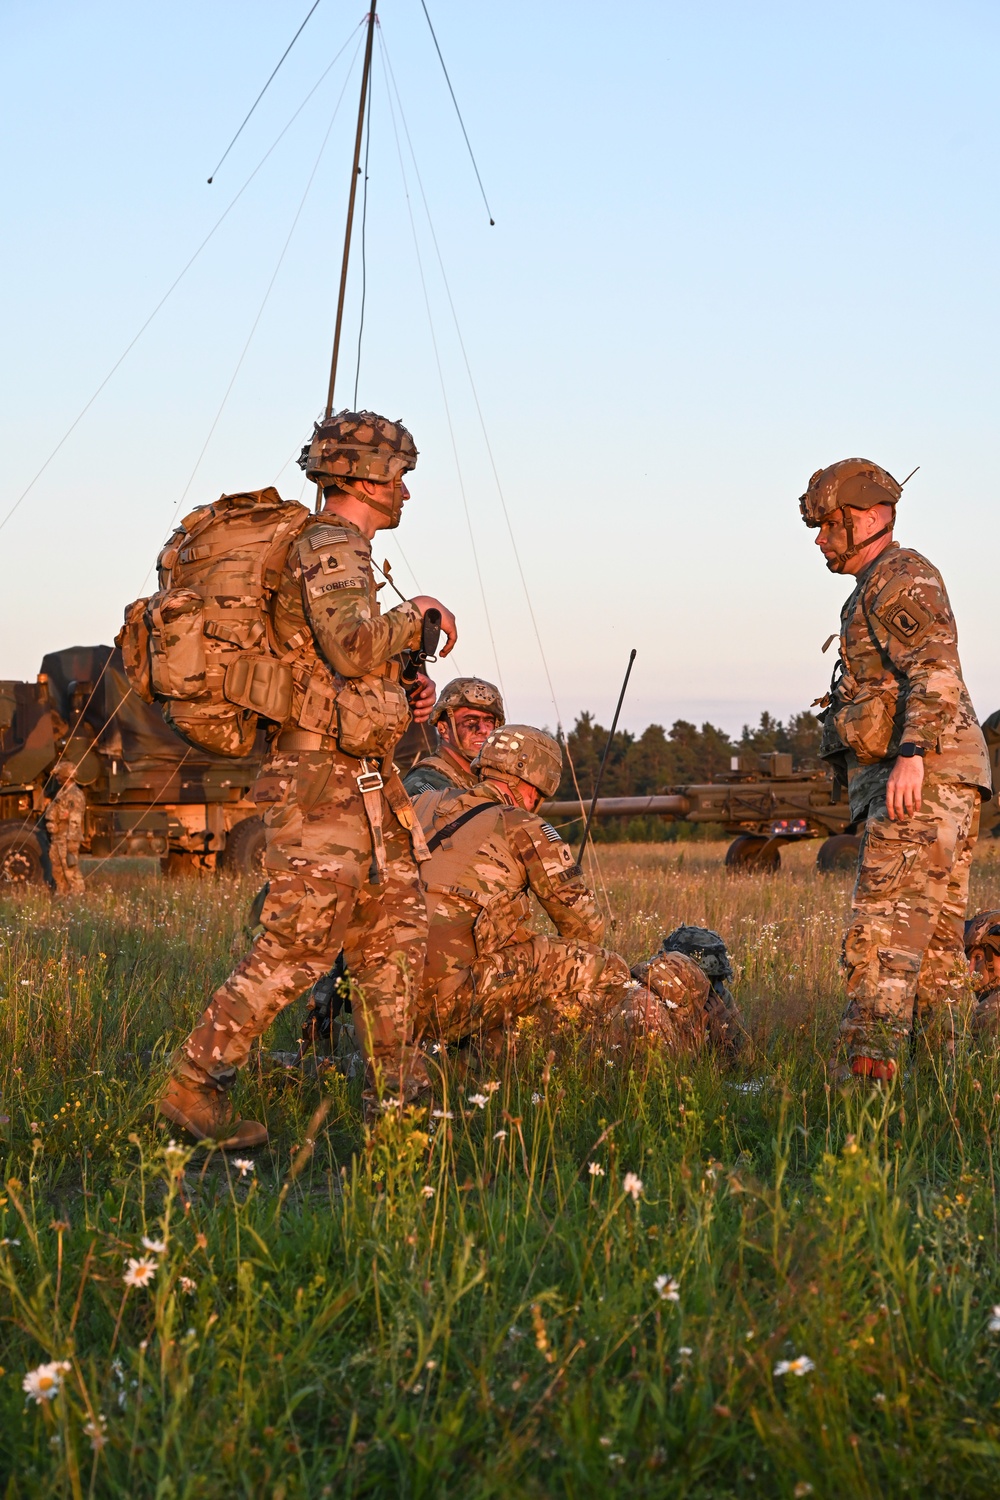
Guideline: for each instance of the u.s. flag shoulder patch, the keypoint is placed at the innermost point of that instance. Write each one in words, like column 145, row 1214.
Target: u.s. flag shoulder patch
column 551, row 834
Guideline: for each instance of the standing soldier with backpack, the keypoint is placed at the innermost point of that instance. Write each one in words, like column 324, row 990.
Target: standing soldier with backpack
column 342, row 840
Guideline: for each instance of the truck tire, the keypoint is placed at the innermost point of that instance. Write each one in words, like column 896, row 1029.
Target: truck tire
column 244, row 851
column 21, row 859
column 838, row 852
column 743, row 857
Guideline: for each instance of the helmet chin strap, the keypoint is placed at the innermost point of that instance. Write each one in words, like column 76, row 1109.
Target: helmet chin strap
column 853, row 548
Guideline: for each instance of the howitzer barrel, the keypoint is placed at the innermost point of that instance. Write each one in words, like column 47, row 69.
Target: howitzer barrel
column 622, row 807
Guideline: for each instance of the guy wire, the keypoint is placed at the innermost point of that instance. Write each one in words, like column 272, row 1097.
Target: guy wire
column 173, row 286
column 263, row 91
column 489, row 450
column 440, row 370
column 260, row 310
column 457, row 111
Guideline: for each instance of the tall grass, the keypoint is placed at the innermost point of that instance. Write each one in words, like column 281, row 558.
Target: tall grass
column 471, row 1303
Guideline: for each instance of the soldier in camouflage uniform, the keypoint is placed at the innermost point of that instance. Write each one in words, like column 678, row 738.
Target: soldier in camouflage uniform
column 982, row 949
column 703, row 1011
column 342, row 840
column 63, row 820
column 899, row 726
column 489, row 850
column 465, row 714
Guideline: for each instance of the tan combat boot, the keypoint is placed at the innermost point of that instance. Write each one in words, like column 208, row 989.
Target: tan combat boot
column 206, row 1113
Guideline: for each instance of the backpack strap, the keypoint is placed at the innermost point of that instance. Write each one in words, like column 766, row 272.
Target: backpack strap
column 437, row 839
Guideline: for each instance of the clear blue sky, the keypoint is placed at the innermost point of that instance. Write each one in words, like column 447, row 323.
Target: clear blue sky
column 734, row 242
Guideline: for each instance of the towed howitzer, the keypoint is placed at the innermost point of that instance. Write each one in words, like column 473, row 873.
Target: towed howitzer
column 147, row 791
column 763, row 803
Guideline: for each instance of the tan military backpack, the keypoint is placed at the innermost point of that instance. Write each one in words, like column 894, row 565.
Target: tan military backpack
column 203, row 645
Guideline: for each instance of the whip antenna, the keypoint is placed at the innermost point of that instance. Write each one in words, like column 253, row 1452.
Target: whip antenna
column 604, row 759
column 355, row 169
column 909, row 476
column 263, row 91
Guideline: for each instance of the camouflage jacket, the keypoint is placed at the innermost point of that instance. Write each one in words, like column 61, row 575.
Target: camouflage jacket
column 439, row 773
column 326, row 612
column 65, row 814
column 899, row 680
column 478, row 878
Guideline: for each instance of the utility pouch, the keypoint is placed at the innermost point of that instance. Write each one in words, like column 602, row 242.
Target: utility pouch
column 177, row 643
column 865, row 723
column 372, row 713
column 260, row 683
column 503, row 921
column 133, row 642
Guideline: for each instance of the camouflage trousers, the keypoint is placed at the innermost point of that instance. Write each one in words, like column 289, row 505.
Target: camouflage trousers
column 904, row 950
column 543, row 975
column 322, row 900
column 65, row 866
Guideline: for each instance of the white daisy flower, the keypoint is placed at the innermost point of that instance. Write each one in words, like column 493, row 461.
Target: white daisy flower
column 632, row 1185
column 45, row 1381
column 243, row 1165
column 798, row 1366
column 156, row 1246
column 427, row 1190
column 479, row 1100
column 595, row 1169
column 668, row 1288
column 140, row 1272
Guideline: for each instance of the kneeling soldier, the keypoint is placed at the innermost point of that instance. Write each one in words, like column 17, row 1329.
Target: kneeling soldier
column 465, row 715
column 485, row 967
column 690, row 976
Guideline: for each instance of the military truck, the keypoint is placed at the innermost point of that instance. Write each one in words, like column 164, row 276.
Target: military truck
column 766, row 804
column 148, row 791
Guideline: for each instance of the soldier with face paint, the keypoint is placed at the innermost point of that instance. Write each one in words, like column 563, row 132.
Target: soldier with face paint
column 465, row 715
column 900, row 729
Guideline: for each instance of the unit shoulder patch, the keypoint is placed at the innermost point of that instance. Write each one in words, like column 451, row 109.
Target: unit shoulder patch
column 904, row 616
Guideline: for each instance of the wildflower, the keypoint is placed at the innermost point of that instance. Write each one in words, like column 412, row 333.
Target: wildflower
column 96, row 1431
column 802, row 1489
column 668, row 1288
column 799, row 1366
column 442, row 1114
column 491, row 1088
column 44, row 1382
column 140, row 1272
column 605, row 1442
column 685, row 1352
column 392, row 1103
column 617, row 1459
column 536, row 1098
column 595, row 1169
column 993, row 1325
column 479, row 1100
column 513, row 1332
column 187, row 1285
column 6, row 1241
column 879, row 1398
column 34, row 1127
column 500, row 1135
column 156, row 1246
column 243, row 1164
column 427, row 1190
column 632, row 1185
column 118, row 1371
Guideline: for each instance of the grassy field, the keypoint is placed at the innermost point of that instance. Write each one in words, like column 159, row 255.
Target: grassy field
column 797, row 1299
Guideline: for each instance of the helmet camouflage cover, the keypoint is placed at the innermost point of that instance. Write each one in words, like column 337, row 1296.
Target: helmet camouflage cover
column 856, row 482
column 469, row 692
column 705, row 947
column 358, row 445
column 983, row 931
column 528, row 754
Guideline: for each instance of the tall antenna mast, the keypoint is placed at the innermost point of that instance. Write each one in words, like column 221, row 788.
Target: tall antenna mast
column 365, row 73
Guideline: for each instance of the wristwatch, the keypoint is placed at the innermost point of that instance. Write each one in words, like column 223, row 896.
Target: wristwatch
column 909, row 750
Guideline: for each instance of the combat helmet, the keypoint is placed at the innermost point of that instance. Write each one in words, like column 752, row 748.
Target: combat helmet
column 850, row 484
column 982, row 932
column 529, row 754
column 361, row 445
column 705, row 947
column 468, row 692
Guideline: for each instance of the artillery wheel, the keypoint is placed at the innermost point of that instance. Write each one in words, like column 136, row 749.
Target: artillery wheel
column 21, row 861
column 838, row 852
column 746, row 855
column 244, row 851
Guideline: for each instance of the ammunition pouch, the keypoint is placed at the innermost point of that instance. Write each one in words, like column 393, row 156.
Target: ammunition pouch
column 864, row 719
column 503, row 921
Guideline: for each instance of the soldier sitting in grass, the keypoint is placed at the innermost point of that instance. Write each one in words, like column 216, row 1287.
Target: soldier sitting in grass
column 485, row 967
